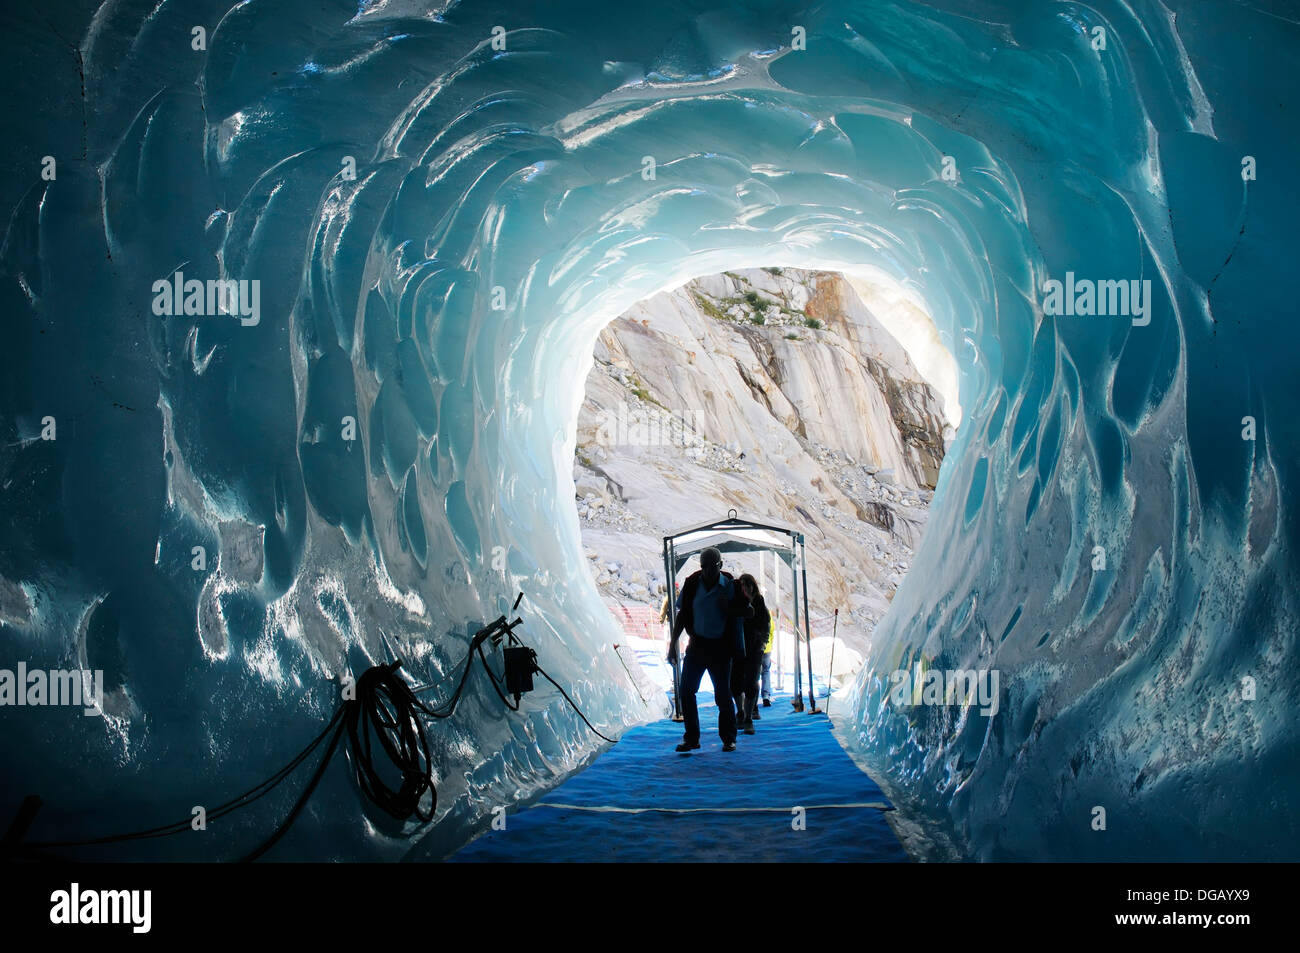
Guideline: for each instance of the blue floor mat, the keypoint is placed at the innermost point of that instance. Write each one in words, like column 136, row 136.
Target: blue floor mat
column 641, row 801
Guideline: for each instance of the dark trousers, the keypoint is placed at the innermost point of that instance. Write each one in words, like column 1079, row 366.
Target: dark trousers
column 713, row 656
column 744, row 685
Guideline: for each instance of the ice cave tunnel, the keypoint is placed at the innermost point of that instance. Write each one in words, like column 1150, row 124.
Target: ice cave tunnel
column 435, row 206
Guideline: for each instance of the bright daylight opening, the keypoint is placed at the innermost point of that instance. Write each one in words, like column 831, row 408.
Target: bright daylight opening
column 807, row 400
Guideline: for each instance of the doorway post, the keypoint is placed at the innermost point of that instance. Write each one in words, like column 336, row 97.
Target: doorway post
column 807, row 625
column 670, row 585
column 776, row 642
column 794, row 631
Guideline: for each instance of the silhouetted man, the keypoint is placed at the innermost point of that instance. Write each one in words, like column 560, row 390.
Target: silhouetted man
column 711, row 605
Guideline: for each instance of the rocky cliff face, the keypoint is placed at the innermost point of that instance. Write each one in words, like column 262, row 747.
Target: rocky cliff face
column 773, row 392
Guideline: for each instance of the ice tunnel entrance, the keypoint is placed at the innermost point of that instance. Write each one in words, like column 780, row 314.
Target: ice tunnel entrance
column 379, row 462
column 781, row 393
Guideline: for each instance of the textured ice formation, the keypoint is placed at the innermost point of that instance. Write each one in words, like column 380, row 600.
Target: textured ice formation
column 444, row 202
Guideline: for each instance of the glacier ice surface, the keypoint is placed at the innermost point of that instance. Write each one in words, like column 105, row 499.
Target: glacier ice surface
column 446, row 297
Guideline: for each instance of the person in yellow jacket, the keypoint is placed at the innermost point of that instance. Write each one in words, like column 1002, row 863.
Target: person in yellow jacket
column 767, row 661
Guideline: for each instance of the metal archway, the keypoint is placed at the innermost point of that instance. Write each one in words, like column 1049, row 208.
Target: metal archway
column 736, row 535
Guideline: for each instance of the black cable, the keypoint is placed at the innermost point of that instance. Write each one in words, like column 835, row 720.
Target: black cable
column 248, row 797
column 542, row 672
column 302, row 800
column 448, row 708
column 386, row 707
column 492, row 676
column 477, row 646
column 469, row 657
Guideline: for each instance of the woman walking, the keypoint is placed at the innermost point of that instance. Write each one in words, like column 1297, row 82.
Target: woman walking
column 744, row 677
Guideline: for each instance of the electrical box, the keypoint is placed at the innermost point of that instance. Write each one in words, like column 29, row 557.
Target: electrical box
column 520, row 662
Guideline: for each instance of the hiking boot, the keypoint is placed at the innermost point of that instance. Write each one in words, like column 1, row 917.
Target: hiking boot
column 748, row 728
column 728, row 746
column 688, row 746
column 756, row 716
column 767, row 703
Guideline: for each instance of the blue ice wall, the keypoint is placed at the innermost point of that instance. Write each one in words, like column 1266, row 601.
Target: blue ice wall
column 443, row 203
